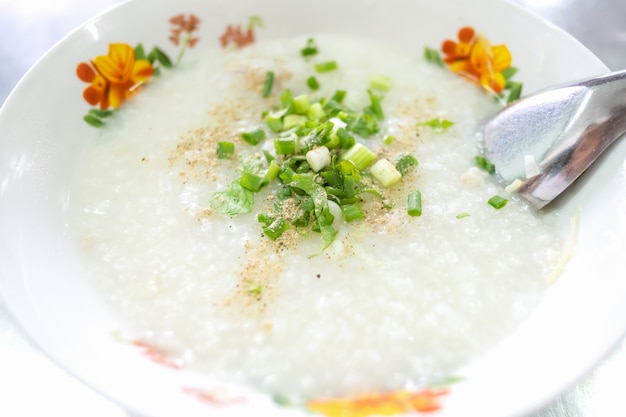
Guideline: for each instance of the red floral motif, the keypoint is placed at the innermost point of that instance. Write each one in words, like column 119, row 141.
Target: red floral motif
column 216, row 398
column 236, row 35
column 156, row 355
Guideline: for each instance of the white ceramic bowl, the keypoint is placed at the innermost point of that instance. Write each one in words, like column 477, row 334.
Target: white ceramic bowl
column 42, row 135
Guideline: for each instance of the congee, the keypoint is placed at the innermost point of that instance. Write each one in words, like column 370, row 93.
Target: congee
column 311, row 225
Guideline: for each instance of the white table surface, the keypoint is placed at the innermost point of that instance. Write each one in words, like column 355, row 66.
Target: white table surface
column 32, row 385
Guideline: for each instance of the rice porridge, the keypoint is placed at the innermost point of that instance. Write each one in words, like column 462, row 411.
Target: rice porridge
column 395, row 301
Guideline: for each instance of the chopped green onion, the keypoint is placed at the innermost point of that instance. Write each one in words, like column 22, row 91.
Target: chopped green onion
column 385, row 173
column 360, row 156
column 462, row 215
column 286, row 98
column 352, row 212
column 346, row 141
column 339, row 96
column 285, row 145
column 414, row 203
column 312, row 83
column 303, row 181
column 254, row 288
column 484, row 164
column 251, row 181
column 405, row 163
column 301, row 104
column 326, row 66
column 272, row 171
column 310, row 49
column 269, row 82
column 225, row 150
column 318, row 158
column 274, row 120
column 294, row 120
column 365, row 126
column 380, row 82
column 388, row 139
column 316, row 112
column 375, row 106
column 254, row 137
column 273, row 229
column 286, row 175
column 437, row 124
column 497, row 202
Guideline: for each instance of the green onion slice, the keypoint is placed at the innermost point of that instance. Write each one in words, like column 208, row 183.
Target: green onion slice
column 254, row 137
column 268, row 84
column 326, row 66
column 225, row 150
column 497, row 202
column 414, row 203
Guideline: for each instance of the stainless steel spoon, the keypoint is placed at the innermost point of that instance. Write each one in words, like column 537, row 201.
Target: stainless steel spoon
column 543, row 142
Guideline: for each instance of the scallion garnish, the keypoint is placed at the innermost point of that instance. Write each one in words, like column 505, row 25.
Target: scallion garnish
column 285, row 145
column 497, row 202
column 268, row 84
column 380, row 82
column 352, row 212
column 462, row 215
column 414, row 203
column 251, row 181
column 312, row 83
column 318, row 161
column 437, row 124
column 225, row 150
column 327, row 66
column 360, row 156
column 316, row 112
column 385, row 173
column 484, row 164
column 339, row 96
column 375, row 106
column 310, row 49
column 254, row 137
column 405, row 163
column 273, row 227
column 318, row 158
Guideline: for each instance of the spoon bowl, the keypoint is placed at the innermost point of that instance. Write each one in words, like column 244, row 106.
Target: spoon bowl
column 542, row 143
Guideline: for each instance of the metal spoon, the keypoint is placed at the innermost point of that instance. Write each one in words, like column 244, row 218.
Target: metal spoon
column 544, row 141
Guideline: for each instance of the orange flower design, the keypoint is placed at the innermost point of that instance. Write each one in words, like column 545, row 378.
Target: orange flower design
column 474, row 57
column 380, row 404
column 113, row 78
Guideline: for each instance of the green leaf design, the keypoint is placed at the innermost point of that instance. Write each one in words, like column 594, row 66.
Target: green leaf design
column 432, row 55
column 93, row 120
column 162, row 57
column 140, row 53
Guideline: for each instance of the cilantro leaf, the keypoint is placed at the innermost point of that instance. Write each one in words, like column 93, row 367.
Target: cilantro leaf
column 234, row 200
